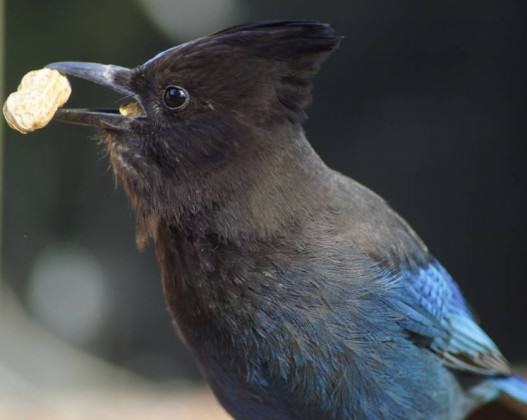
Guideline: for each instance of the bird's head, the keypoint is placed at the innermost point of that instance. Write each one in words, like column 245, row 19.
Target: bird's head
column 204, row 113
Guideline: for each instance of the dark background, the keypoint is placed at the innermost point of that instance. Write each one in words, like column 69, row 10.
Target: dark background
column 424, row 103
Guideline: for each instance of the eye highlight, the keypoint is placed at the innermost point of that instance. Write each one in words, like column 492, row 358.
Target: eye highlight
column 176, row 97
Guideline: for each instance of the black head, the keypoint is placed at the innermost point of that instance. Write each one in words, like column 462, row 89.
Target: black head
column 206, row 107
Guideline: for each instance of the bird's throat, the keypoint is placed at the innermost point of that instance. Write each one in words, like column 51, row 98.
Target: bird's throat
column 255, row 197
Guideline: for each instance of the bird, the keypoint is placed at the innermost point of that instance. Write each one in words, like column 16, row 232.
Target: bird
column 300, row 292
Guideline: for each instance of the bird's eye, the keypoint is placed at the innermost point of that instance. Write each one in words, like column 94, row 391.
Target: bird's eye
column 176, row 97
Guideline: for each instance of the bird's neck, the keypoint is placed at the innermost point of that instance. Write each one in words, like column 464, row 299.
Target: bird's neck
column 256, row 198
column 205, row 256
column 268, row 194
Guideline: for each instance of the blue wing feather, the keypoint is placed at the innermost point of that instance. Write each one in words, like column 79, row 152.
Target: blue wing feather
column 435, row 309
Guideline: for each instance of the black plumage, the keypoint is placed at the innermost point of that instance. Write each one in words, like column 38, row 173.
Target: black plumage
column 302, row 294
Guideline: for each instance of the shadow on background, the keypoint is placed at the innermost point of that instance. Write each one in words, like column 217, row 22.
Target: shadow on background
column 424, row 103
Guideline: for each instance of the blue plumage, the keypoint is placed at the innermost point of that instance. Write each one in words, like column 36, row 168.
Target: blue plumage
column 399, row 344
column 455, row 336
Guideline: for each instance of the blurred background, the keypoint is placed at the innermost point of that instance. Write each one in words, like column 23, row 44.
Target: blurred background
column 424, row 103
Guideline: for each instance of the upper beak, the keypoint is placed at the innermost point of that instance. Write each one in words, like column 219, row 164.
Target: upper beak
column 115, row 77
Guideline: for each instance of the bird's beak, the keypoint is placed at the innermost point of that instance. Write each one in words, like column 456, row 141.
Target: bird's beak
column 116, row 78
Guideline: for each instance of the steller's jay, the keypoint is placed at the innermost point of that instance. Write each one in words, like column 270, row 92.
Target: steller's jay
column 300, row 292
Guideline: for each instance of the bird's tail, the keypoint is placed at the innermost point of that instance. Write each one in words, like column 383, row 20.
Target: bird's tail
column 513, row 396
column 507, row 397
column 514, row 387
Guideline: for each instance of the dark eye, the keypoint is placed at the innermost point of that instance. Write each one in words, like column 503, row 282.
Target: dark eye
column 176, row 97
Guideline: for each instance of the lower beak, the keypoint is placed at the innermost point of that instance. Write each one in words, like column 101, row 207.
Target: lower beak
column 116, row 78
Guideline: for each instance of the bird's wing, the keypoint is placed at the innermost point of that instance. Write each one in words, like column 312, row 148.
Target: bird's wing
column 435, row 313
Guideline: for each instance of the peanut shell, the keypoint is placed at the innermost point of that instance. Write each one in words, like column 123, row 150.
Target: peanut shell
column 39, row 95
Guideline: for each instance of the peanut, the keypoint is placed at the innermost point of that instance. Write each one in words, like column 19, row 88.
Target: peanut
column 39, row 95
column 131, row 109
